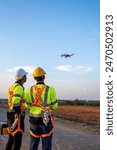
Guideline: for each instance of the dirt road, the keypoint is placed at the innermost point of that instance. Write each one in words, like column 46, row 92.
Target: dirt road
column 67, row 136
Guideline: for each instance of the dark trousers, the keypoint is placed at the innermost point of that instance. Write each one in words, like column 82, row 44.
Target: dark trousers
column 37, row 127
column 14, row 142
column 46, row 143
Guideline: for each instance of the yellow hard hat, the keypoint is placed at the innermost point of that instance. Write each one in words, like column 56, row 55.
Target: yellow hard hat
column 38, row 72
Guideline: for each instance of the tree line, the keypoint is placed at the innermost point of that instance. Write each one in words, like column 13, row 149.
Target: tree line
column 79, row 102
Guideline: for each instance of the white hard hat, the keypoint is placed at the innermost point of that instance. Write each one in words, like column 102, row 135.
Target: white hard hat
column 20, row 73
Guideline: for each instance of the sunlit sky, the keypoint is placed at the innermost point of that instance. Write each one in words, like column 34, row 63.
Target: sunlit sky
column 36, row 33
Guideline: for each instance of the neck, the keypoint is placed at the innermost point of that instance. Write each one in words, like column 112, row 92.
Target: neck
column 40, row 82
column 20, row 82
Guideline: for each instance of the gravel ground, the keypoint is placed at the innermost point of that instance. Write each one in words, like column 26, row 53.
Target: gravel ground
column 67, row 135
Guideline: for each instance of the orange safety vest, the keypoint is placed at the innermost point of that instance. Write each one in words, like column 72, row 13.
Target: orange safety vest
column 11, row 92
column 37, row 102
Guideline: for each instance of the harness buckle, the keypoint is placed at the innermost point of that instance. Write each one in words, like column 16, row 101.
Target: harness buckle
column 45, row 117
column 15, row 123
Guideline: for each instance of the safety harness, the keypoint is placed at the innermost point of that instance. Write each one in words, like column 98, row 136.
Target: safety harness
column 17, row 130
column 11, row 94
column 37, row 102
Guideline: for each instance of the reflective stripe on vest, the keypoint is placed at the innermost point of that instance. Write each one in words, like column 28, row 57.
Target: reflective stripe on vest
column 46, row 96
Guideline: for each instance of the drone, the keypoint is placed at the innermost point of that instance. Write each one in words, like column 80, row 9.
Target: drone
column 67, row 55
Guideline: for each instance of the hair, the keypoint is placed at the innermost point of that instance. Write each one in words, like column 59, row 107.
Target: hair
column 20, row 80
column 41, row 78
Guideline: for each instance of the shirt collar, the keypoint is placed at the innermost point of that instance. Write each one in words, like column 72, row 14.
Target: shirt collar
column 19, row 84
column 41, row 82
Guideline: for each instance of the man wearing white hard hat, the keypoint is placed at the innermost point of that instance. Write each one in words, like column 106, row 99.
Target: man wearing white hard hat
column 16, row 113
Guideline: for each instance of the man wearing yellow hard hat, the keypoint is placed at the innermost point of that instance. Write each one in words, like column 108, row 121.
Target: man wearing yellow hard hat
column 41, row 100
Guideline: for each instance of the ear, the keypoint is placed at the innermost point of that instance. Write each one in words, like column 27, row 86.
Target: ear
column 43, row 76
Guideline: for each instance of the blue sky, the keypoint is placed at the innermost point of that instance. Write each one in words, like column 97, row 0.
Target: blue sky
column 36, row 33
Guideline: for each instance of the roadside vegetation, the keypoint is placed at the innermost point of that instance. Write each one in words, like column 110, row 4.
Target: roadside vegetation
column 79, row 111
column 79, row 102
column 75, row 110
column 84, row 114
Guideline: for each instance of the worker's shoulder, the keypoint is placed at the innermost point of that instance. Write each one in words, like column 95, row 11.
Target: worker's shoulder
column 40, row 85
column 51, row 88
column 30, row 87
column 16, row 87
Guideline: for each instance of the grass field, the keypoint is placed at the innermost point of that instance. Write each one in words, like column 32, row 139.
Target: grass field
column 85, row 114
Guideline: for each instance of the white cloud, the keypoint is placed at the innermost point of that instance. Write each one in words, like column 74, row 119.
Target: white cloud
column 64, row 67
column 28, row 69
column 72, row 68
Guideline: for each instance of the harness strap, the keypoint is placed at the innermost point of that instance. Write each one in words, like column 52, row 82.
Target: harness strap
column 37, row 100
column 13, row 133
column 18, row 128
column 44, row 135
column 21, row 104
column 38, row 95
